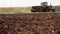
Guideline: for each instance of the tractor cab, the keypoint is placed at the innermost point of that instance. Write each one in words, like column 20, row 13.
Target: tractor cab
column 44, row 4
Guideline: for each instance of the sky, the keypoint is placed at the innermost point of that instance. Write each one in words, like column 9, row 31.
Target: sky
column 26, row 3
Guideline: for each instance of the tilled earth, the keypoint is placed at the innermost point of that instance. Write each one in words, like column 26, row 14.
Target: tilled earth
column 30, row 24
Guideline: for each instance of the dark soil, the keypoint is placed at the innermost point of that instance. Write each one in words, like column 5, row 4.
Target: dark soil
column 30, row 24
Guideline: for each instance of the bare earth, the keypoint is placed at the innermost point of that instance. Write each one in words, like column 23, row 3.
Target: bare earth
column 30, row 23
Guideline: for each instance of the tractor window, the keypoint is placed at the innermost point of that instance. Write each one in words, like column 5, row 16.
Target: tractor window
column 58, row 32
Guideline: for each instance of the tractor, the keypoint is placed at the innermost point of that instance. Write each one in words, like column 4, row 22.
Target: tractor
column 43, row 8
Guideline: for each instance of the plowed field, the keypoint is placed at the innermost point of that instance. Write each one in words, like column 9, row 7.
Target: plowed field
column 30, row 24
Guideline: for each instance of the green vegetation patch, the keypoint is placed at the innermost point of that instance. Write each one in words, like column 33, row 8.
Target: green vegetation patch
column 7, row 12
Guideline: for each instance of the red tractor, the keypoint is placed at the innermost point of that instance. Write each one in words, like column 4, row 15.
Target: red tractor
column 43, row 8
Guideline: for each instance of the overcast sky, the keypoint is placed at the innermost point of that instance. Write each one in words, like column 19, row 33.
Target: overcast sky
column 26, row 3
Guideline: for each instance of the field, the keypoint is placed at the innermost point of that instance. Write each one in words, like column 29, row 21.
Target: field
column 22, row 10
column 48, row 23
column 20, row 20
column 15, row 10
